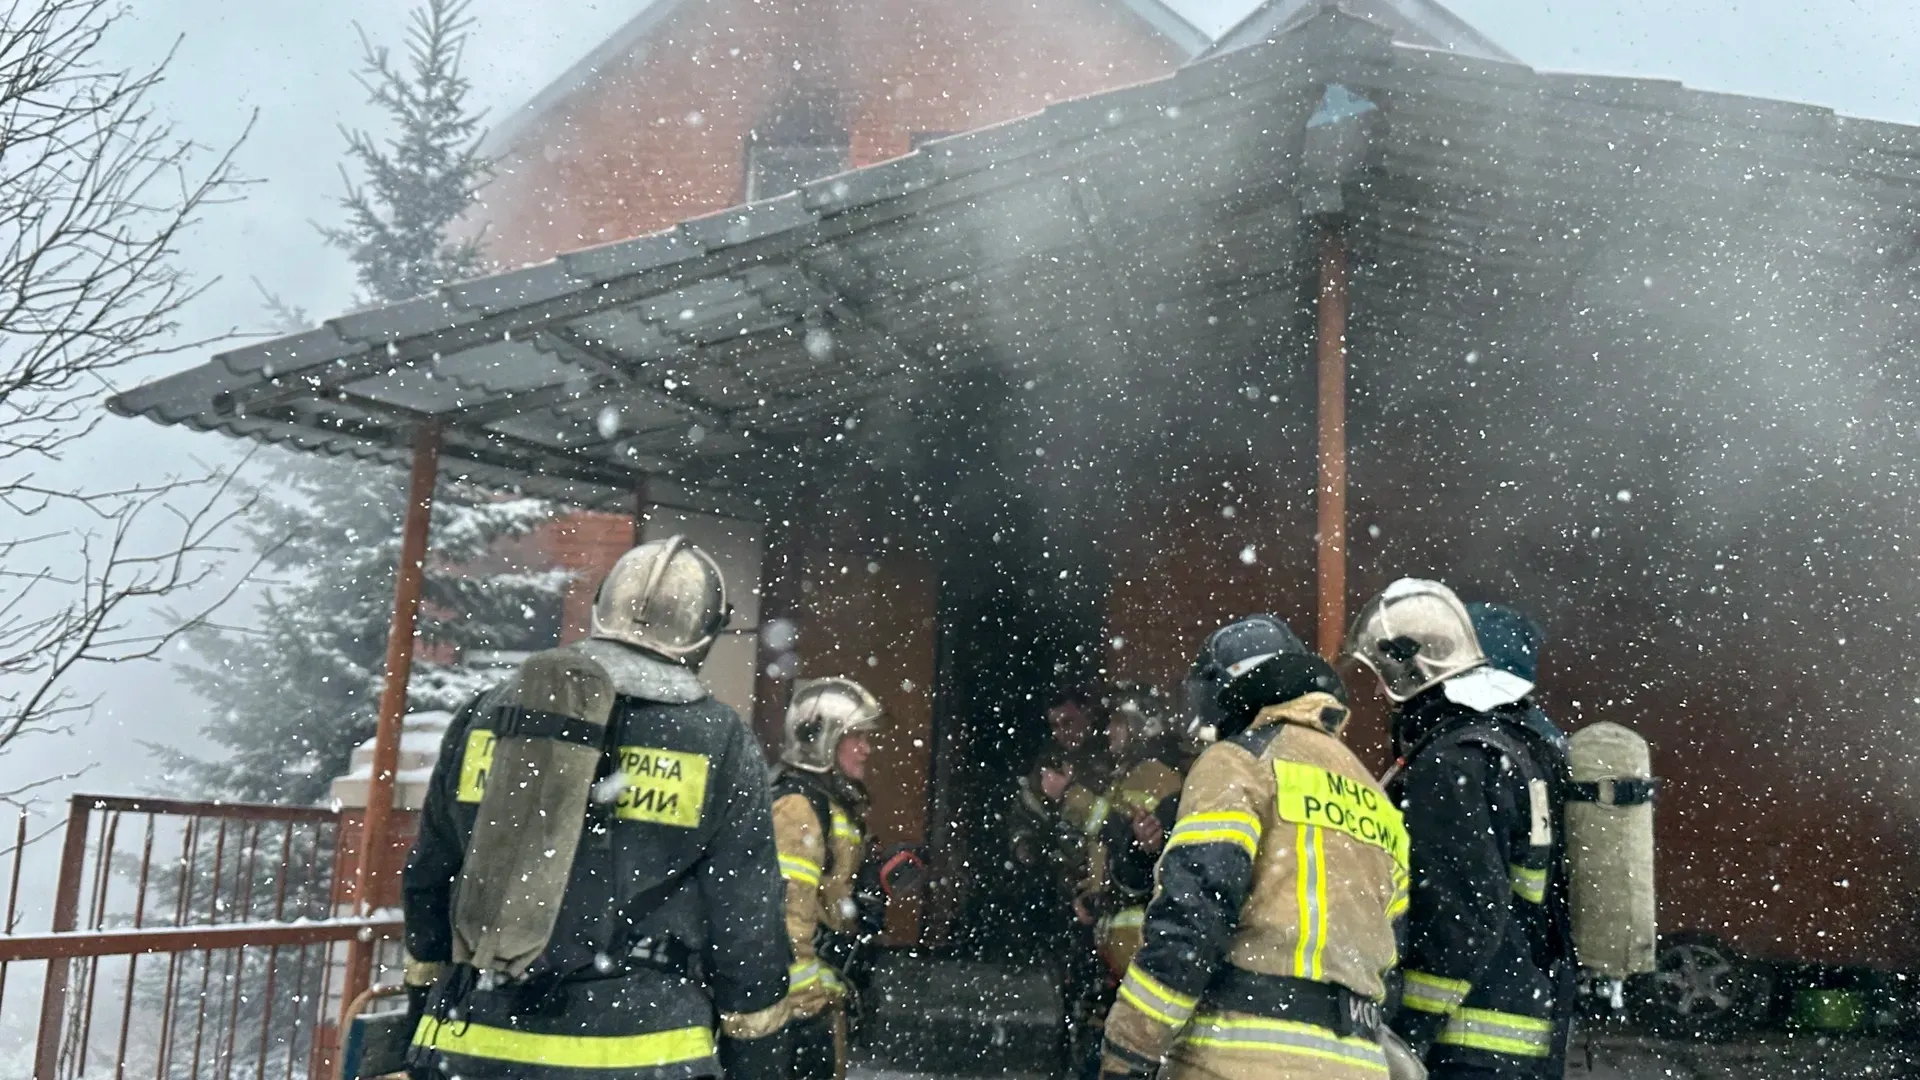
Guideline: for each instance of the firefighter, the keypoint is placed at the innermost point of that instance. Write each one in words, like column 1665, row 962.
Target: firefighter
column 1054, row 821
column 1070, row 724
column 1142, row 804
column 1489, row 972
column 1121, row 849
column 1052, row 818
column 586, row 914
column 836, row 899
column 1270, row 933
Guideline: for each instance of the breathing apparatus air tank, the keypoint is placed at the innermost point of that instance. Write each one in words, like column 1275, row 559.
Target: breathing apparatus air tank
column 550, row 726
column 1609, row 832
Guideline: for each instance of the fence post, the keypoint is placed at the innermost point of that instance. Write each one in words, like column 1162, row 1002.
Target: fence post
column 66, row 916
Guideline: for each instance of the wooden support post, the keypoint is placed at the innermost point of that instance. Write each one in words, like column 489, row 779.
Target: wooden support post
column 1331, row 347
column 393, row 699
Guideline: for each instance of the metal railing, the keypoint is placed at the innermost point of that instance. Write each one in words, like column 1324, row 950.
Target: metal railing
column 188, row 939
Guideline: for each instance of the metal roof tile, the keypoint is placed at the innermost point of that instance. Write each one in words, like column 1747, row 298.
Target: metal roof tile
column 744, row 224
column 626, row 258
column 290, row 353
column 396, row 322
column 516, row 288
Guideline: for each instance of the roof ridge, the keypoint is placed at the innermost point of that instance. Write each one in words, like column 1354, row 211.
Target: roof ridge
column 1428, row 19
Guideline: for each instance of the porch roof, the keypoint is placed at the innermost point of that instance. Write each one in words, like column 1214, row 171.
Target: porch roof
column 721, row 356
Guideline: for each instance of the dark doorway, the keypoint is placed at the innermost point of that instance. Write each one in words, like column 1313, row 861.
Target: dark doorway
column 1021, row 615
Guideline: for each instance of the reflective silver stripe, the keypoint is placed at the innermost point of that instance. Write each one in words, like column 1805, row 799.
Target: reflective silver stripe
column 1433, row 993
column 1499, row 1032
column 803, row 870
column 1218, row 827
column 1260, row 1034
column 803, row 975
column 1528, row 884
column 1150, row 996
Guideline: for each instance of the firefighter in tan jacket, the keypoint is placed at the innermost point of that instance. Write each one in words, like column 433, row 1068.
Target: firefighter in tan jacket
column 835, row 898
column 1270, row 932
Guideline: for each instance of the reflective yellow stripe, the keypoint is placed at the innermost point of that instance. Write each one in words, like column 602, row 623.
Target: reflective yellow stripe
column 1263, row 1035
column 1218, row 827
column 652, row 1050
column 1499, row 1032
column 1528, row 884
column 843, row 828
column 803, row 974
column 1434, row 993
column 1319, row 904
column 1151, row 996
column 795, row 868
column 1128, row 918
column 1310, row 889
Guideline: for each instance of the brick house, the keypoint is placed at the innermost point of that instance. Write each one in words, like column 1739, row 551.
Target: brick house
column 698, row 105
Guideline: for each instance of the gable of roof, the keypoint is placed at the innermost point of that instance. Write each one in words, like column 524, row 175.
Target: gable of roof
column 632, row 37
column 1414, row 22
column 636, row 35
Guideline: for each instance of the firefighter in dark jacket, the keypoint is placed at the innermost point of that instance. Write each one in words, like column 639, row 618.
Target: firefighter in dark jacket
column 836, row 896
column 1270, row 933
column 1141, row 806
column 1489, row 971
column 667, row 922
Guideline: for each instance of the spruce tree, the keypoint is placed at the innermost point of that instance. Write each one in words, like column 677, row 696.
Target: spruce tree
column 292, row 697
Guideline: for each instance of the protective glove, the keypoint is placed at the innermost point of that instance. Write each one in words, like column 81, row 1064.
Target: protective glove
column 1402, row 1062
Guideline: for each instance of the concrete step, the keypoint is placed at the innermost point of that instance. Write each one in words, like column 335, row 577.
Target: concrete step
column 957, row 1017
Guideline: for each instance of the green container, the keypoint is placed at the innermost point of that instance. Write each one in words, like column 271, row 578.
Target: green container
column 1829, row 1010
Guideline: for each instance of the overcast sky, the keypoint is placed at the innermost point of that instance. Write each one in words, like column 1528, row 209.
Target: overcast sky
column 291, row 65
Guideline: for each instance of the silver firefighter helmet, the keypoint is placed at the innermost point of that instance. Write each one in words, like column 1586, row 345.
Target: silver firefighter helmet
column 822, row 712
column 666, row 597
column 1414, row 635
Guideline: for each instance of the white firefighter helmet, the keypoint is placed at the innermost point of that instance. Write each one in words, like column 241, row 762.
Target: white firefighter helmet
column 1414, row 635
column 822, row 712
column 665, row 597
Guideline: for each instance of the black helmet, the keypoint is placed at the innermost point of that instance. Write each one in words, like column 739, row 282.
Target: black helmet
column 1250, row 664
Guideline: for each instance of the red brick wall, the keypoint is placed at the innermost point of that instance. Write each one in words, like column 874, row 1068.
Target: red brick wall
column 662, row 138
column 589, row 545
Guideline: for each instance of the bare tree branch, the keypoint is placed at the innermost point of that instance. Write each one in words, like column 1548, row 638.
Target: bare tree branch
column 96, row 193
